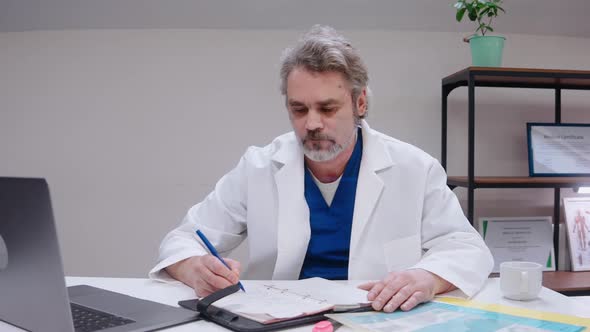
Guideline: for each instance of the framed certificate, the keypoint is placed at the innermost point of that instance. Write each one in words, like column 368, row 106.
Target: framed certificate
column 558, row 149
column 519, row 239
column 577, row 219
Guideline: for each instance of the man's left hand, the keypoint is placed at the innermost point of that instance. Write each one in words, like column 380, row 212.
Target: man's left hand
column 405, row 289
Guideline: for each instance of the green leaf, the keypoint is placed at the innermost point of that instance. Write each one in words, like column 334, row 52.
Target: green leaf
column 460, row 14
column 472, row 14
column 478, row 11
column 482, row 28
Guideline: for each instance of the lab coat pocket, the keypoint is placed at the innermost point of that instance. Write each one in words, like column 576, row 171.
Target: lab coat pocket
column 402, row 253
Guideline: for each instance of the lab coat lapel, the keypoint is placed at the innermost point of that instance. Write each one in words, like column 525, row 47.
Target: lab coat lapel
column 293, row 213
column 369, row 185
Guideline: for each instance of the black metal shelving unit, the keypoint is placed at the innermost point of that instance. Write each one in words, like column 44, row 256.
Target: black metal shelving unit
column 473, row 77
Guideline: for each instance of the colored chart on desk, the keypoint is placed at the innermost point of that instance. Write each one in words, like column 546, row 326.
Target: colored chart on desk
column 435, row 317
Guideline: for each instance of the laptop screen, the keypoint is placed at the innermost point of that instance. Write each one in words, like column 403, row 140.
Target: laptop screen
column 32, row 281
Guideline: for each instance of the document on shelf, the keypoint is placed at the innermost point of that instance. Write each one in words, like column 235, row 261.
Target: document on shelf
column 277, row 300
column 519, row 239
column 559, row 149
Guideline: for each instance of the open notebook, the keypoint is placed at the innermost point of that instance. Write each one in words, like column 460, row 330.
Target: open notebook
column 278, row 300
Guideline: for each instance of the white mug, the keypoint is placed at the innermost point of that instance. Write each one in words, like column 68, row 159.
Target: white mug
column 521, row 280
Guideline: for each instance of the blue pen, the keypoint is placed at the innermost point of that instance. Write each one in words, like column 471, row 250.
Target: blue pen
column 214, row 252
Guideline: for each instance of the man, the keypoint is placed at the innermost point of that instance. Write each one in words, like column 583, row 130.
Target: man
column 333, row 198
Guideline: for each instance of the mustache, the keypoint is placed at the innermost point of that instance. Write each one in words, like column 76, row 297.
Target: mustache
column 316, row 136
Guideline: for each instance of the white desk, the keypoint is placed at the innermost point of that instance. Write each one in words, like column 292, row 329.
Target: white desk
column 170, row 294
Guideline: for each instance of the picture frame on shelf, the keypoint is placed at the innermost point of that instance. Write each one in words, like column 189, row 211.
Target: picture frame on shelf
column 558, row 149
column 577, row 220
column 519, row 239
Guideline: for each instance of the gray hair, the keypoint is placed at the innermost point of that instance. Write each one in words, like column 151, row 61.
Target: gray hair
column 322, row 49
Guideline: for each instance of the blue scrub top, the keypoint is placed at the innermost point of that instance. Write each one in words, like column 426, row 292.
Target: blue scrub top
column 329, row 245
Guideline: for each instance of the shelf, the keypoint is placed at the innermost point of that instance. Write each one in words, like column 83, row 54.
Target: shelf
column 474, row 77
column 520, row 78
column 519, row 182
column 569, row 283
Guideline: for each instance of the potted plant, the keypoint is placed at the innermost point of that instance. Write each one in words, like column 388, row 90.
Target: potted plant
column 486, row 50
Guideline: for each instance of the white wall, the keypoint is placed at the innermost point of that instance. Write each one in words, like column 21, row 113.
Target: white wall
column 132, row 127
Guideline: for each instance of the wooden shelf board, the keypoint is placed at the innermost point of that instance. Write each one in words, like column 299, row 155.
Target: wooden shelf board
column 520, row 182
column 567, row 281
column 520, row 77
column 563, row 281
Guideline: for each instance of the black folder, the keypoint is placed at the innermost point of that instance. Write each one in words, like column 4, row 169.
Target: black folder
column 236, row 322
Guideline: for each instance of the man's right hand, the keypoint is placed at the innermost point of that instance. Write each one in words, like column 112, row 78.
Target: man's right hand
column 205, row 274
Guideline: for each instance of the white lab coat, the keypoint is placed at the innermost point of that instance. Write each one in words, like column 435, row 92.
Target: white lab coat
column 405, row 216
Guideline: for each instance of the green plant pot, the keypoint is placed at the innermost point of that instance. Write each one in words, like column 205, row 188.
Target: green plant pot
column 486, row 51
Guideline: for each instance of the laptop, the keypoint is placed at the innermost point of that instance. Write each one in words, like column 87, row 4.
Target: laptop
column 33, row 294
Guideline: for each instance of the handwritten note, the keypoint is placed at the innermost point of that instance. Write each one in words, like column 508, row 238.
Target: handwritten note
column 272, row 301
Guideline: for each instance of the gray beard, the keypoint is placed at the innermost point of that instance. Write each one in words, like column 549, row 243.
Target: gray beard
column 331, row 153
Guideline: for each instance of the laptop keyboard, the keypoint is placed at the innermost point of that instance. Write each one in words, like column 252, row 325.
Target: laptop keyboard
column 88, row 320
